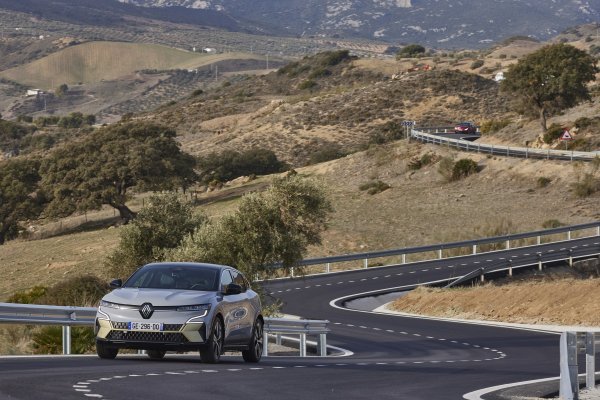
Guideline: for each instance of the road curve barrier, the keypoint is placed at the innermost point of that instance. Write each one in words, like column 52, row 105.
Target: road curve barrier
column 68, row 316
column 431, row 135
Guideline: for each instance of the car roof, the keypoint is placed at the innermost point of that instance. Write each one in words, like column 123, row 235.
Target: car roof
column 189, row 264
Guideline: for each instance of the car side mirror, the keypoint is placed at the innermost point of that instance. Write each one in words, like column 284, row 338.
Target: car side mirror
column 232, row 288
column 117, row 283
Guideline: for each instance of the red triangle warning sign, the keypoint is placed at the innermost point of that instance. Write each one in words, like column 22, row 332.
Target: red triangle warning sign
column 566, row 135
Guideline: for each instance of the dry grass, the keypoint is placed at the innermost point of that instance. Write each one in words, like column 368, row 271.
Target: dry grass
column 96, row 61
column 563, row 302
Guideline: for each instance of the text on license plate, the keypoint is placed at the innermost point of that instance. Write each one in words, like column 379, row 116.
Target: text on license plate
column 144, row 326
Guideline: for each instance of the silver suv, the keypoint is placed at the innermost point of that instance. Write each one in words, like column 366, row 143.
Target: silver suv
column 181, row 307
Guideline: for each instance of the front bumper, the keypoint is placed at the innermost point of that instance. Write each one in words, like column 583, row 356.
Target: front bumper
column 176, row 333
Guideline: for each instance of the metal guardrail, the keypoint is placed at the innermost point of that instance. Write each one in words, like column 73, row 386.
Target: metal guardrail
column 439, row 248
column 508, row 151
column 33, row 314
column 571, row 345
column 303, row 327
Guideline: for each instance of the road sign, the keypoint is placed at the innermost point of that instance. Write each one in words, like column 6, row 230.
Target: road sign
column 409, row 123
column 566, row 135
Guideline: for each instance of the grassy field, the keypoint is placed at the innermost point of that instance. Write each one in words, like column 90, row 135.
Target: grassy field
column 552, row 298
column 96, row 61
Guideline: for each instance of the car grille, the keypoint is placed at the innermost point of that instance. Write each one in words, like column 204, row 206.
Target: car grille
column 166, row 327
column 157, row 337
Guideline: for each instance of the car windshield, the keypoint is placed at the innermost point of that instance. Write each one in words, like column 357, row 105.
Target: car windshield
column 170, row 276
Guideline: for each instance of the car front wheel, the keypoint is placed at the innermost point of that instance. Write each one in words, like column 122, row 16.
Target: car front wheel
column 106, row 352
column 211, row 352
column 255, row 348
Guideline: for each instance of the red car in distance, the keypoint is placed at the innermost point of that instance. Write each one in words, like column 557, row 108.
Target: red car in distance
column 466, row 127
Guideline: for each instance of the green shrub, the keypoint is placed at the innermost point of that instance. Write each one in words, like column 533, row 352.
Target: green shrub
column 476, row 64
column 332, row 58
column 445, row 168
column 493, row 125
column 424, row 160
column 197, row 92
column 543, row 181
column 388, row 132
column 30, row 296
column 552, row 223
column 48, row 340
column 586, row 186
column 374, row 187
column 319, row 73
column 553, row 133
column 230, row 164
column 307, row 84
column 502, row 56
column 412, row 50
column 463, row 168
column 328, row 152
column 86, row 290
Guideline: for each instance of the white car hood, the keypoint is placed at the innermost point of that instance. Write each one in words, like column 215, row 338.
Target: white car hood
column 158, row 297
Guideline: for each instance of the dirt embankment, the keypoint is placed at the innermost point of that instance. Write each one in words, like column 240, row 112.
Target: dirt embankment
column 562, row 297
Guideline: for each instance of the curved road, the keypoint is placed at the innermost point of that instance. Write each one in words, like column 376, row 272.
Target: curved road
column 393, row 357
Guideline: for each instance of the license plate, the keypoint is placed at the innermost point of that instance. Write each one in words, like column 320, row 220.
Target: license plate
column 144, row 326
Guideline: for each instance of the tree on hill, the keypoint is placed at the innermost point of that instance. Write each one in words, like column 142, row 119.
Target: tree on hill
column 20, row 198
column 276, row 225
column 412, row 50
column 106, row 166
column 231, row 164
column 549, row 80
column 158, row 227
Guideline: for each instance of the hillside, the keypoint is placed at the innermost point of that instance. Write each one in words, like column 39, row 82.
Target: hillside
column 437, row 23
column 93, row 62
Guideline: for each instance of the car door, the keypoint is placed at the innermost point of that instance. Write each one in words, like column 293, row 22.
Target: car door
column 246, row 310
column 233, row 310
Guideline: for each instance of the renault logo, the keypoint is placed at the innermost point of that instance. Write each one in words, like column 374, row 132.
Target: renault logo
column 146, row 310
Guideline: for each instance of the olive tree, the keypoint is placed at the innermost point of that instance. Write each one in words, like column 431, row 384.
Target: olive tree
column 106, row 166
column 20, row 197
column 159, row 226
column 274, row 226
column 549, row 80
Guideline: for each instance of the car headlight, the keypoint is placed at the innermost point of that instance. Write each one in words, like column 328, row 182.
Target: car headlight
column 108, row 304
column 201, row 309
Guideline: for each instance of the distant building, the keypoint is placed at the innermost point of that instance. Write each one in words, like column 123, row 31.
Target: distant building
column 209, row 50
column 499, row 77
column 34, row 92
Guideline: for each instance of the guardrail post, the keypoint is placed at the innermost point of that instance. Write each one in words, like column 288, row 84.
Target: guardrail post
column 265, row 351
column 568, row 235
column 569, row 385
column 598, row 230
column 66, row 340
column 323, row 344
column 540, row 265
column 547, row 154
column 403, row 258
column 278, row 339
column 590, row 361
column 327, row 267
column 303, row 345
column 440, row 256
column 366, row 263
column 474, row 249
column 510, row 268
column 570, row 257
column 292, row 271
column 508, row 244
column 539, row 239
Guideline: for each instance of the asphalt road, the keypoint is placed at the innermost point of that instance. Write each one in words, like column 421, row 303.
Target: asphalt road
column 393, row 357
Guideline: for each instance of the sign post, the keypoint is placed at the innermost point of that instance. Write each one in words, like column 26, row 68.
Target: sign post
column 565, row 137
column 407, row 126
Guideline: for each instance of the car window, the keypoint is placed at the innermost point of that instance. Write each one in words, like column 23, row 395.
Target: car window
column 225, row 280
column 238, row 279
column 174, row 276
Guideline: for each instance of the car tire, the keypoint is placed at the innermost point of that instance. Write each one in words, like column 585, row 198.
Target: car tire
column 255, row 347
column 156, row 354
column 211, row 352
column 106, row 352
